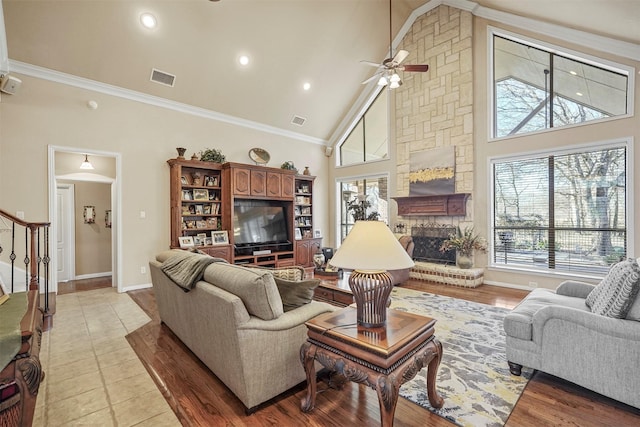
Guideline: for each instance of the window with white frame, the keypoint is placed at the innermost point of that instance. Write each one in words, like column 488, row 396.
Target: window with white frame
column 561, row 212
column 537, row 87
column 368, row 140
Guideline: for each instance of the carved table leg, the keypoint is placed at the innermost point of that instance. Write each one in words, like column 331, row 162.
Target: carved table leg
column 307, row 357
column 435, row 399
column 388, row 388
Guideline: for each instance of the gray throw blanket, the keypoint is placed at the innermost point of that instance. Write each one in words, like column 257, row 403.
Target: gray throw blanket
column 185, row 269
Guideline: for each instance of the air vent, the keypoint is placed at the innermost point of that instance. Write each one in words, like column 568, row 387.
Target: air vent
column 162, row 77
column 297, row 120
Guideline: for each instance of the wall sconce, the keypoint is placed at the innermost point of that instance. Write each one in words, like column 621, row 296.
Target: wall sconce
column 107, row 218
column 89, row 214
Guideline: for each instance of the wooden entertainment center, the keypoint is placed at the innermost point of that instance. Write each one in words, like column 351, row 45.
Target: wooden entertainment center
column 207, row 199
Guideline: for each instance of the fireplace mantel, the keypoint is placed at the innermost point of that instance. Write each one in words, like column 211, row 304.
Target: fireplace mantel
column 441, row 205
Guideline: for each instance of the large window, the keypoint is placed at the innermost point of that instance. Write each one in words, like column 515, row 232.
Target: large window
column 368, row 141
column 561, row 212
column 536, row 88
column 373, row 189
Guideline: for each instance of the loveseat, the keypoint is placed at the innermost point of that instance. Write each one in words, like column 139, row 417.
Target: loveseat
column 586, row 334
column 233, row 320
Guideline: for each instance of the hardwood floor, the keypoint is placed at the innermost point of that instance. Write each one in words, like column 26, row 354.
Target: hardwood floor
column 198, row 398
column 80, row 285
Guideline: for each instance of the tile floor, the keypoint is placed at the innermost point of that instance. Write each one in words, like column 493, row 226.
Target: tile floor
column 92, row 376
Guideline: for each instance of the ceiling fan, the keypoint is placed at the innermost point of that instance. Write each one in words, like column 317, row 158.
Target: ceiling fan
column 388, row 71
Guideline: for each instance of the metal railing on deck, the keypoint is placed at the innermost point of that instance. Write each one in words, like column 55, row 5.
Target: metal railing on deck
column 36, row 253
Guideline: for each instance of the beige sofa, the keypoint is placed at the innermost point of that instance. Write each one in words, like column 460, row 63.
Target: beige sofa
column 233, row 321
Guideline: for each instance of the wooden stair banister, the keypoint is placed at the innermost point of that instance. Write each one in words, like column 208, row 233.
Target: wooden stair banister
column 38, row 232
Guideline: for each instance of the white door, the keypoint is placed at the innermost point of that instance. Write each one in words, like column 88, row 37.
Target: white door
column 65, row 219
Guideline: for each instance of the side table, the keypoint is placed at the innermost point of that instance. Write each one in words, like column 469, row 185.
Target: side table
column 382, row 358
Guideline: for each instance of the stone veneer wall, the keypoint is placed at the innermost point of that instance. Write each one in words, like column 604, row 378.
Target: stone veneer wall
column 435, row 109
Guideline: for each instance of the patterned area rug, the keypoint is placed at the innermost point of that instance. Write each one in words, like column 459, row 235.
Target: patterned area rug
column 473, row 377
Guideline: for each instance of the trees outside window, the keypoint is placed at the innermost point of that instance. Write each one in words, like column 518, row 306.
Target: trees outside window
column 564, row 212
column 536, row 88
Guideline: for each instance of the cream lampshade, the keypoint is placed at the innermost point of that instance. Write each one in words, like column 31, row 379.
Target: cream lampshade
column 370, row 249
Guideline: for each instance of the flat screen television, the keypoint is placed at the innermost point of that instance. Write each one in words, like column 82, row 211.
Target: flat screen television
column 259, row 222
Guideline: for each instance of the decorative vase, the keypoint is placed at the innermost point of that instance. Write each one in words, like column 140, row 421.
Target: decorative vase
column 306, row 171
column 181, row 152
column 194, row 157
column 197, row 178
column 464, row 261
column 318, row 260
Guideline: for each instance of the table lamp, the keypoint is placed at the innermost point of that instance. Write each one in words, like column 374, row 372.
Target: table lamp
column 370, row 249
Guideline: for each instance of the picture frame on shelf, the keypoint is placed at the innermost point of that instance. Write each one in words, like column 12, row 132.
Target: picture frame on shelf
column 220, row 237
column 201, row 224
column 200, row 194
column 185, row 209
column 206, row 210
column 187, row 195
column 184, row 180
column 186, row 241
column 199, row 209
column 317, row 233
column 298, row 234
column 208, row 241
column 199, row 239
column 212, row 223
column 208, row 181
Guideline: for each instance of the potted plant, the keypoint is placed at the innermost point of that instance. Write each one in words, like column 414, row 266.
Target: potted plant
column 358, row 208
column 212, row 155
column 288, row 165
column 464, row 242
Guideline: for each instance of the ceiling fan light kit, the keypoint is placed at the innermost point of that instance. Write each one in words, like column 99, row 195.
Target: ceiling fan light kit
column 388, row 70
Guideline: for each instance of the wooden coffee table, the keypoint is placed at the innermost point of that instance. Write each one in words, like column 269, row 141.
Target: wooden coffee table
column 382, row 358
column 333, row 290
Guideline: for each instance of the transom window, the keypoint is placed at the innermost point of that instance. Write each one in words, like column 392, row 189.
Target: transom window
column 368, row 141
column 537, row 88
column 562, row 212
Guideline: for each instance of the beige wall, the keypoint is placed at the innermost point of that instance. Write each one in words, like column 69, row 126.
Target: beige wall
column 93, row 241
column 45, row 113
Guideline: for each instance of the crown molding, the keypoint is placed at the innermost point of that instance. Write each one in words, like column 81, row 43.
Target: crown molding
column 82, row 83
column 582, row 38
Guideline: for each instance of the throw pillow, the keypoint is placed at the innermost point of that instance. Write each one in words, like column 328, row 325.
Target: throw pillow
column 615, row 294
column 295, row 294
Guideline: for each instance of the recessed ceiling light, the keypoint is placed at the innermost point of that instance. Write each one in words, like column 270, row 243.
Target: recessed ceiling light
column 148, row 20
column 573, row 73
column 306, row 86
column 243, row 60
column 579, row 93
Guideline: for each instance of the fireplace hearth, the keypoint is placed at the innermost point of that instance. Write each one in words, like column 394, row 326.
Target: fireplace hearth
column 427, row 239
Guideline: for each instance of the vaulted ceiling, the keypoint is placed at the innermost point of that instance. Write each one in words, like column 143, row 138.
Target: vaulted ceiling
column 288, row 43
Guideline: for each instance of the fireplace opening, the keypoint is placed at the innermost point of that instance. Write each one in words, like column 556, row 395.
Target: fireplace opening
column 428, row 240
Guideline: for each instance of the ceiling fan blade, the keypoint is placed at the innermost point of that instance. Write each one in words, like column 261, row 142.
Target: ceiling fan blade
column 420, row 68
column 400, row 56
column 373, row 64
column 375, row 76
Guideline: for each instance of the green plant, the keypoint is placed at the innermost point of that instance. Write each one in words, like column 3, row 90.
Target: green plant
column 212, row 155
column 464, row 241
column 358, row 208
column 288, row 165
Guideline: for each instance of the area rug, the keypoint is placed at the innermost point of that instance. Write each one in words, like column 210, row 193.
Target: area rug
column 473, row 377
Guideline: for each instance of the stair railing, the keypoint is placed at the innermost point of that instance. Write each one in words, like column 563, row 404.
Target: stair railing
column 36, row 253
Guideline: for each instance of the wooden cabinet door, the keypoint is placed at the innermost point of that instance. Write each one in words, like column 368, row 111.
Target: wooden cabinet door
column 274, row 184
column 287, row 185
column 258, row 183
column 240, row 184
column 302, row 253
